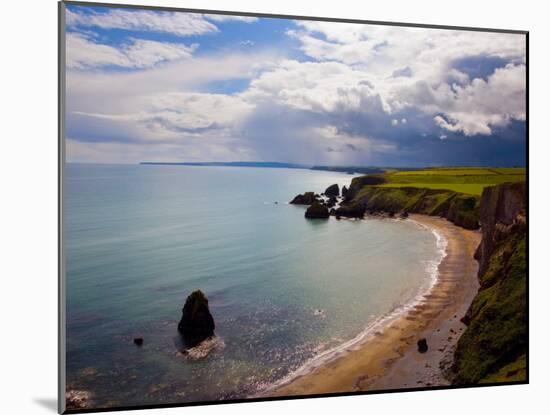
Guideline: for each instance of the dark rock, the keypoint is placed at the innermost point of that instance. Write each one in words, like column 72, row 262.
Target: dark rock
column 422, row 346
column 344, row 191
column 404, row 214
column 391, row 214
column 332, row 191
column 331, row 202
column 307, row 198
column 317, row 211
column 351, row 211
column 138, row 341
column 332, row 212
column 196, row 324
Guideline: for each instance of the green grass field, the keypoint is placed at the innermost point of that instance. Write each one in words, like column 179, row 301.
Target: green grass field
column 469, row 180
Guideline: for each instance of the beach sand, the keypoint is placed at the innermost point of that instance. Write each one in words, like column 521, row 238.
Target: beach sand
column 389, row 359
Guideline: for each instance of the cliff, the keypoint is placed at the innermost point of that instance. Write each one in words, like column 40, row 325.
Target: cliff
column 494, row 345
column 459, row 208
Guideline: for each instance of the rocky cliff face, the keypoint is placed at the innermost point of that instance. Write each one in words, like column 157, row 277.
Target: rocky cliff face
column 493, row 348
column 461, row 209
column 502, row 211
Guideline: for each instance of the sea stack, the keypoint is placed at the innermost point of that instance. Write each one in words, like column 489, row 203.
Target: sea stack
column 317, row 211
column 308, row 198
column 196, row 324
column 332, row 191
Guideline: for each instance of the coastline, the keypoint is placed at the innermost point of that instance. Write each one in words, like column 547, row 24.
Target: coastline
column 388, row 358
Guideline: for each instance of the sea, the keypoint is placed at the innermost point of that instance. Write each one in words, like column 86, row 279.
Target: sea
column 287, row 293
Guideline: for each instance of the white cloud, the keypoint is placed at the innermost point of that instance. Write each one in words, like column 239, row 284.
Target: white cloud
column 227, row 18
column 173, row 114
column 83, row 52
column 412, row 68
column 316, row 86
column 480, row 105
column 181, row 24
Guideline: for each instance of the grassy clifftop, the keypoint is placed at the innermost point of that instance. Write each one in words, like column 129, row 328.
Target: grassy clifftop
column 468, row 180
column 453, row 193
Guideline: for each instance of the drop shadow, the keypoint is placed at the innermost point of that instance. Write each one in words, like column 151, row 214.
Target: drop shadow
column 48, row 403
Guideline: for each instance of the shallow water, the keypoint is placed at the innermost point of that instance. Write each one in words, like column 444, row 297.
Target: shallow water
column 282, row 289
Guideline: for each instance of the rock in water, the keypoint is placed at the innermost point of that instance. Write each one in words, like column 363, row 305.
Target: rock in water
column 344, row 191
column 138, row 341
column 317, row 211
column 332, row 190
column 308, row 198
column 422, row 345
column 196, row 324
column 351, row 211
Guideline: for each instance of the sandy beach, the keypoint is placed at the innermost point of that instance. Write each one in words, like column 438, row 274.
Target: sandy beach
column 389, row 358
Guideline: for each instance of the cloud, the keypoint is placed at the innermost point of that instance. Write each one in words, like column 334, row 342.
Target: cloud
column 169, row 115
column 364, row 94
column 229, row 18
column 83, row 52
column 316, row 86
column 406, row 72
column 457, row 77
column 478, row 107
column 180, row 24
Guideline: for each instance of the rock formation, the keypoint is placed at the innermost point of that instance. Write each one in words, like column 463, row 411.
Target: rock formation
column 196, row 324
column 422, row 346
column 307, row 198
column 317, row 211
column 332, row 191
column 351, row 211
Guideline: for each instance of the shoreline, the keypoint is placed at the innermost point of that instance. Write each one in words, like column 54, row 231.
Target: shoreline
column 388, row 358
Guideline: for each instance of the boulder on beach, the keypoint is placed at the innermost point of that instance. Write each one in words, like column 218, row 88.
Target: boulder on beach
column 196, row 324
column 308, row 198
column 138, row 341
column 422, row 346
column 404, row 214
column 332, row 191
column 317, row 211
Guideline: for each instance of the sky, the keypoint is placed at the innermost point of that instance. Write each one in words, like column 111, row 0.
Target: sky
column 146, row 85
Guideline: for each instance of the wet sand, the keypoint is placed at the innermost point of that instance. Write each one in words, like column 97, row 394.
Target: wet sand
column 389, row 359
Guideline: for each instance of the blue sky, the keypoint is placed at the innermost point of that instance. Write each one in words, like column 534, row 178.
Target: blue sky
column 174, row 86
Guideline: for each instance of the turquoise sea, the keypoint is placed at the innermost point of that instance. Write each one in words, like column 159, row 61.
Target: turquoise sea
column 284, row 291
